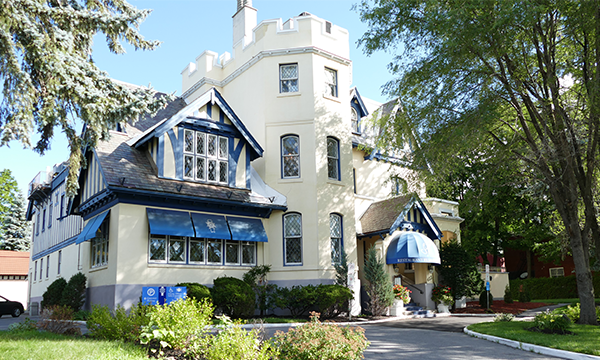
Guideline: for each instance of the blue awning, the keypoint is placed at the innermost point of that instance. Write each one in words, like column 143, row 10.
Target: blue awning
column 169, row 222
column 412, row 247
column 210, row 226
column 244, row 229
column 90, row 229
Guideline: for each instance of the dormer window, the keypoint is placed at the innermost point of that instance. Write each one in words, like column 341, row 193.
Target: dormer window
column 205, row 157
column 354, row 119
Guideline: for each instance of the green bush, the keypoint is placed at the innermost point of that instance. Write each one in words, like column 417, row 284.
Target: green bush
column 332, row 300
column 53, row 293
column 482, row 299
column 59, row 320
column 179, row 325
column 316, row 340
column 574, row 311
column 552, row 323
column 257, row 279
column 197, row 291
column 235, row 297
column 297, row 299
column 524, row 296
column 73, row 295
column 378, row 287
column 551, row 288
column 508, row 295
column 102, row 323
column 504, row 317
column 233, row 343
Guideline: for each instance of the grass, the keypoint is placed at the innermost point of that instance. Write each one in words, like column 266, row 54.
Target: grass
column 561, row 301
column 585, row 339
column 33, row 344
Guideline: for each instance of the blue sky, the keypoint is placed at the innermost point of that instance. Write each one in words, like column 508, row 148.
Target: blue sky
column 187, row 28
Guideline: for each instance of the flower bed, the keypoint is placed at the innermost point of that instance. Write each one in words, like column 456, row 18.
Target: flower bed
column 499, row 306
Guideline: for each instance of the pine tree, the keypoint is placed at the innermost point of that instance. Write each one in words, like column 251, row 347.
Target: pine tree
column 49, row 79
column 16, row 230
column 379, row 286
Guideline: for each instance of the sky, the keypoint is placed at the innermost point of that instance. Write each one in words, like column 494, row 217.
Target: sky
column 186, row 29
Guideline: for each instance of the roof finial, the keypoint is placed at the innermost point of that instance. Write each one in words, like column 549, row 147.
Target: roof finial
column 242, row 3
column 407, row 227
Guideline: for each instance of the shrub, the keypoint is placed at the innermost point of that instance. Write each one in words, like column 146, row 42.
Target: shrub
column 551, row 323
column 341, row 270
column 552, row 288
column 234, row 343
column 574, row 311
column 235, row 297
column 508, row 295
column 504, row 317
column 177, row 325
column 297, row 299
column 73, row 295
column 442, row 294
column 379, row 286
column 332, row 300
column 81, row 315
column 26, row 325
column 197, row 291
column 103, row 323
column 482, row 299
column 257, row 279
column 59, row 320
column 316, row 340
column 524, row 296
column 402, row 293
column 53, row 293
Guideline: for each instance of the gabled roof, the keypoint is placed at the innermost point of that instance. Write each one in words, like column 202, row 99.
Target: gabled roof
column 388, row 215
column 211, row 96
column 355, row 95
column 14, row 262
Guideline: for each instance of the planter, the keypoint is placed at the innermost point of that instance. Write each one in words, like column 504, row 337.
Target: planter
column 443, row 308
column 397, row 308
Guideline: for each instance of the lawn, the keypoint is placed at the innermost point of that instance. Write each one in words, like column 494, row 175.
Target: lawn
column 584, row 340
column 562, row 301
column 36, row 345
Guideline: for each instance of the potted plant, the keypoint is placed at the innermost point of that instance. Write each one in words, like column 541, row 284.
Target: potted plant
column 401, row 297
column 443, row 296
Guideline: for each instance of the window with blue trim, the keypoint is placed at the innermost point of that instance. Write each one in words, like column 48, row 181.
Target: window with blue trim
column 331, row 88
column 335, row 229
column 37, row 224
column 62, row 206
column 333, row 158
column 41, row 268
column 44, row 220
column 47, row 266
column 99, row 248
column 35, row 271
column 292, row 239
column 290, row 156
column 199, row 251
column 205, row 157
column 50, row 216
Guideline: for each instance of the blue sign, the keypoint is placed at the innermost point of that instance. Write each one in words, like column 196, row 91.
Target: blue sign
column 160, row 295
column 487, row 285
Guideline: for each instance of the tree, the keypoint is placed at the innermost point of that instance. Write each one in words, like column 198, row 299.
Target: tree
column 15, row 229
column 8, row 192
column 379, row 287
column 49, row 78
column 458, row 270
column 524, row 73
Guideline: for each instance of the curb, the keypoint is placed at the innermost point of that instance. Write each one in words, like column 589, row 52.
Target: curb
column 542, row 350
column 350, row 323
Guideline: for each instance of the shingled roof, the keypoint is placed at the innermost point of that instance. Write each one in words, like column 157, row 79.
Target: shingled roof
column 381, row 215
column 14, row 262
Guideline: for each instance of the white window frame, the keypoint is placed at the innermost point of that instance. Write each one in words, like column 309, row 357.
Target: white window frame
column 284, row 157
column 164, row 240
column 59, row 262
column 283, row 79
column 558, row 270
column 294, row 237
column 333, row 159
column 47, row 266
column 222, row 250
column 201, row 241
column 355, row 120
column 336, row 241
column 172, row 239
column 248, row 244
column 100, row 246
column 219, row 158
column 331, row 88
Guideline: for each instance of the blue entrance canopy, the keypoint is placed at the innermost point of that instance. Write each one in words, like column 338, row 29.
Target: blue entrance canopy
column 210, row 226
column 244, row 229
column 169, row 222
column 90, row 229
column 412, row 247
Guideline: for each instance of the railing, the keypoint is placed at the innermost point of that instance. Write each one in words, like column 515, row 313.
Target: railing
column 409, row 283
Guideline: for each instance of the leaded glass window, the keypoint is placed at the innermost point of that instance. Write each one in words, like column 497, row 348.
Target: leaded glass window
column 177, row 249
column 201, row 152
column 188, row 141
column 197, row 248
column 333, row 159
column 99, row 256
column 288, row 78
column 249, row 253
column 292, row 233
column 331, row 82
column 200, row 143
column 232, row 252
column 290, row 156
column 214, row 251
column 158, row 248
column 212, row 170
column 212, row 145
column 354, row 119
column 335, row 229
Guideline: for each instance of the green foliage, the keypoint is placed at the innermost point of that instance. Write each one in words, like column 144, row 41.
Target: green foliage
column 379, row 284
column 573, row 312
column 316, row 340
column 503, row 317
column 234, row 343
column 15, row 230
column 25, row 325
column 53, row 294
column 524, row 296
column 551, row 322
column 341, row 270
column 81, row 315
column 197, row 291
column 73, row 294
column 59, row 320
column 551, row 288
column 486, row 298
column 102, row 323
column 332, row 300
column 459, row 270
column 508, row 295
column 402, row 293
column 177, row 325
column 234, row 296
column 257, row 278
column 49, row 76
column 442, row 294
column 297, row 299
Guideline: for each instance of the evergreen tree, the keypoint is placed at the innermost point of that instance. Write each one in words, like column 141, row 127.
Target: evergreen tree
column 458, row 270
column 16, row 231
column 49, row 78
column 341, row 270
column 379, row 287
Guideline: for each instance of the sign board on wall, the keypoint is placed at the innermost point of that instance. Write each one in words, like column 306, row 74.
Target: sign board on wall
column 160, row 295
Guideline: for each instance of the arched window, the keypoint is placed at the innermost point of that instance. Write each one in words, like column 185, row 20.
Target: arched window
column 333, row 158
column 292, row 239
column 354, row 118
column 335, row 228
column 290, row 156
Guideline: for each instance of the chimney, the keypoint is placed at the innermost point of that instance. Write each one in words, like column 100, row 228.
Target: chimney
column 244, row 21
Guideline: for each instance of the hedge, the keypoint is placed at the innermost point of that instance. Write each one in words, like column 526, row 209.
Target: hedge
column 563, row 287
